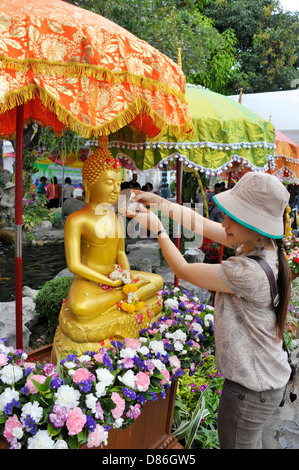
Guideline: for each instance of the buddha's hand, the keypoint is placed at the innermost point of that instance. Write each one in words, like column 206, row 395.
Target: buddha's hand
column 147, row 198
column 116, row 283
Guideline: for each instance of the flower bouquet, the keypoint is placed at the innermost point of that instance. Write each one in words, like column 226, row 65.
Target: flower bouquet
column 78, row 401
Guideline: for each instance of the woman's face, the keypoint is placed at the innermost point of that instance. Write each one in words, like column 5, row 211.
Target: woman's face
column 106, row 188
column 237, row 234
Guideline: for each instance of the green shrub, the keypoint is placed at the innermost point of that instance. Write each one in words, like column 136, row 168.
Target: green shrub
column 49, row 300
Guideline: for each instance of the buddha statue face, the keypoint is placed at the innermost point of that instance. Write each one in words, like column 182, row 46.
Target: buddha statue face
column 102, row 176
column 106, row 189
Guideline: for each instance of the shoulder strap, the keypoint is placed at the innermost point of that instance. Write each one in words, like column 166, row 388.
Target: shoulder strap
column 270, row 275
column 273, row 287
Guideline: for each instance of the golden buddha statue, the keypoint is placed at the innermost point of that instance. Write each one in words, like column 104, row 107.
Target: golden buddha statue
column 106, row 299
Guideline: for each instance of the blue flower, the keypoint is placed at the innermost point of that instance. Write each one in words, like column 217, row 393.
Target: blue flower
column 90, row 423
column 56, row 382
column 30, row 424
column 128, row 393
column 85, row 385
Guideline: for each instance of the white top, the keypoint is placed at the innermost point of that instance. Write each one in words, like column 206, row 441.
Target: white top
column 247, row 350
column 68, row 190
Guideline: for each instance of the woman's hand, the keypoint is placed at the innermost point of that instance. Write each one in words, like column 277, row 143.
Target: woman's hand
column 147, row 198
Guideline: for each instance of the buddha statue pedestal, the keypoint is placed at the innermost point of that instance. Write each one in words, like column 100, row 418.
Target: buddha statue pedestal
column 77, row 336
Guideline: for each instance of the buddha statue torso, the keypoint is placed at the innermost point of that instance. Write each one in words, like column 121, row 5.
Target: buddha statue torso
column 94, row 244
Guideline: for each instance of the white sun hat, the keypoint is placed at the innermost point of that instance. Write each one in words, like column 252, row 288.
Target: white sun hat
column 257, row 201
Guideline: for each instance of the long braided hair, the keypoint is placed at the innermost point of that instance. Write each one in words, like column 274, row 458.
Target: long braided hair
column 284, row 288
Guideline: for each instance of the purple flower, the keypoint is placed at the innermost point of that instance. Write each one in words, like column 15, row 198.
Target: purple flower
column 90, row 423
column 128, row 393
column 56, row 382
column 85, row 385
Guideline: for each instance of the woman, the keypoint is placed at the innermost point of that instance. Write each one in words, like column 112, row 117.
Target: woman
column 248, row 335
column 53, row 193
column 68, row 189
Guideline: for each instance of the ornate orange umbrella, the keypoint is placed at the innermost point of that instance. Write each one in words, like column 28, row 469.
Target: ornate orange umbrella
column 286, row 158
column 65, row 67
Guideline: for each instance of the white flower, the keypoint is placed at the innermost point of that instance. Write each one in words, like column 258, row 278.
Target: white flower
column 209, row 318
column 11, row 374
column 158, row 364
column 17, row 433
column 7, row 396
column 143, row 350
column 157, row 347
column 32, row 409
column 118, row 422
column 188, row 317
column 103, row 375
column 128, row 379
column 84, row 358
column 100, row 389
column 70, row 365
column 127, row 352
column 67, row 396
column 197, row 327
column 41, row 440
column 60, row 444
column 178, row 346
column 180, row 335
column 90, row 401
column 171, row 303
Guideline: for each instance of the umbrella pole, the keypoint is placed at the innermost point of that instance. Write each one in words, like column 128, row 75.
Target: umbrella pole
column 18, row 225
column 178, row 200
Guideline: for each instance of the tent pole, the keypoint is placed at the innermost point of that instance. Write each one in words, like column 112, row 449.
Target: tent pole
column 178, row 200
column 18, row 225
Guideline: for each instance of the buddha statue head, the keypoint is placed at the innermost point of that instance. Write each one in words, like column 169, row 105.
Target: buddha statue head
column 102, row 175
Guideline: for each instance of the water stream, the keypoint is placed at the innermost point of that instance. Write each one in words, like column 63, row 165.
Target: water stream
column 40, row 264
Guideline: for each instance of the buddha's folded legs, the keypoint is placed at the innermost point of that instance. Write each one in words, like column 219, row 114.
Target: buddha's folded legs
column 88, row 300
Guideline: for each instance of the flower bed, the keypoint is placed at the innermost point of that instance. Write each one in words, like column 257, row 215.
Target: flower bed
column 82, row 398
column 291, row 248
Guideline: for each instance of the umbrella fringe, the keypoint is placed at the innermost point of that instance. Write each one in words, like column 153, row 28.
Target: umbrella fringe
column 100, row 73
column 135, row 109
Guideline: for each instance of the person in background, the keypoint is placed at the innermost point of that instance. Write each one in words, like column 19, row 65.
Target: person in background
column 40, row 189
column 53, row 193
column 134, row 183
column 149, row 186
column 215, row 213
column 68, row 189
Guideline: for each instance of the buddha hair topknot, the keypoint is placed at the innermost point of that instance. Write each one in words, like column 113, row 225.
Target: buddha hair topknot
column 101, row 160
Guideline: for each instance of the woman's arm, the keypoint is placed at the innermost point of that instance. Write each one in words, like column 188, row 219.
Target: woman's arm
column 200, row 274
column 185, row 216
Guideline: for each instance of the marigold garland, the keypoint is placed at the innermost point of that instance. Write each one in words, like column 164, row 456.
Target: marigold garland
column 132, row 304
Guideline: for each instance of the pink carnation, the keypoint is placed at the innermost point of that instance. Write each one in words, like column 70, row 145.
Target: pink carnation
column 76, row 420
column 166, row 375
column 96, row 437
column 195, row 345
column 120, row 405
column 100, row 355
column 49, row 369
column 174, row 363
column 142, row 381
column 10, row 424
column 3, row 360
column 81, row 374
column 38, row 378
column 133, row 343
column 134, row 411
